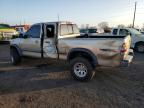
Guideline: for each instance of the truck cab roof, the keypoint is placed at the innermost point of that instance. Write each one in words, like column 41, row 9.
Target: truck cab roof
column 58, row 22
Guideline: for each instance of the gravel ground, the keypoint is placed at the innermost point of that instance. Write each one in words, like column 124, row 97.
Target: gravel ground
column 39, row 83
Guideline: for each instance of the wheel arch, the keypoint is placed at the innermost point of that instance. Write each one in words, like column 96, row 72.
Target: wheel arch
column 82, row 52
column 17, row 48
column 139, row 43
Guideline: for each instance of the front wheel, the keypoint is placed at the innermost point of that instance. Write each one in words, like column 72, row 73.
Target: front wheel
column 81, row 69
column 15, row 57
column 140, row 47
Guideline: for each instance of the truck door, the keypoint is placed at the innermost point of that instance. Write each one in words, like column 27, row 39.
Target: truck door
column 49, row 44
column 30, row 44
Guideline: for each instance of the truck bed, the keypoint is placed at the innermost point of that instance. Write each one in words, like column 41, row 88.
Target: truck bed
column 106, row 48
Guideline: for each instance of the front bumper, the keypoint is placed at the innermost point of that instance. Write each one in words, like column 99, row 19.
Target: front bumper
column 126, row 62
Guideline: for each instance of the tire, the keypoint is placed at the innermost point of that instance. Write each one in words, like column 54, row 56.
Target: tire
column 140, row 47
column 86, row 36
column 81, row 69
column 15, row 57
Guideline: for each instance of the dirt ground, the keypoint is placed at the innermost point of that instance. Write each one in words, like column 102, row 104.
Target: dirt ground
column 47, row 84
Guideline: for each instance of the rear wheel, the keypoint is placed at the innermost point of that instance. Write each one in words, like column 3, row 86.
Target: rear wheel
column 15, row 57
column 140, row 47
column 81, row 69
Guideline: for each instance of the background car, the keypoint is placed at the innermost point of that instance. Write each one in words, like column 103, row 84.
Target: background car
column 142, row 32
column 88, row 32
column 6, row 32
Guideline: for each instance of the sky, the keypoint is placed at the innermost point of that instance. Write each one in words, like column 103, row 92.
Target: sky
column 81, row 12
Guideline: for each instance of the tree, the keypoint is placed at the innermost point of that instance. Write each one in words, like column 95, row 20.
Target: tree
column 87, row 26
column 121, row 26
column 130, row 26
column 82, row 26
column 105, row 27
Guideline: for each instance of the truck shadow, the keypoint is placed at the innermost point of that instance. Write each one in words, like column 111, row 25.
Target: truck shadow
column 30, row 78
column 34, row 75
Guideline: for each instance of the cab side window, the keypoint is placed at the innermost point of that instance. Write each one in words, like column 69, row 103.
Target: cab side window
column 34, row 31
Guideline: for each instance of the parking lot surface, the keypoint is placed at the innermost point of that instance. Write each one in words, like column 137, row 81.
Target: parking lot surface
column 38, row 83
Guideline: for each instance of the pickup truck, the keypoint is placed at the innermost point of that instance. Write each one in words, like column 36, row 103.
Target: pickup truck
column 89, row 32
column 136, row 36
column 6, row 32
column 62, row 40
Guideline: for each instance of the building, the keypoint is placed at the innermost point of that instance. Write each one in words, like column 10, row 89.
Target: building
column 21, row 28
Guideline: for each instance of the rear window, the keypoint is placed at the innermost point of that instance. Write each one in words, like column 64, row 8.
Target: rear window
column 64, row 29
column 68, row 29
column 75, row 29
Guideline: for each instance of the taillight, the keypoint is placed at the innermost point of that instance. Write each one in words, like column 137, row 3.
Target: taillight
column 123, row 48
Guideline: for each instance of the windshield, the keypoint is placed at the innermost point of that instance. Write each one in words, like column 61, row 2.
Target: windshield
column 3, row 26
column 134, row 31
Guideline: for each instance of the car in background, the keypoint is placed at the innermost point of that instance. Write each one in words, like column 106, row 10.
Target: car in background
column 88, row 32
column 136, row 36
column 142, row 32
column 21, row 28
column 6, row 32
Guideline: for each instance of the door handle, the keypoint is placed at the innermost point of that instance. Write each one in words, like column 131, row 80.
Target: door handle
column 47, row 42
column 36, row 41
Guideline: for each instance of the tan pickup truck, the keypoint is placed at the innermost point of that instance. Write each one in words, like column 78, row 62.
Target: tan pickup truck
column 62, row 40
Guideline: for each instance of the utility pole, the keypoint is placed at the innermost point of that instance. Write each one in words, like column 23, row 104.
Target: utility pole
column 58, row 17
column 134, row 14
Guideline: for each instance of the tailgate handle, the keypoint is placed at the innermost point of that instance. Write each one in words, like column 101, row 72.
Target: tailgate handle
column 47, row 42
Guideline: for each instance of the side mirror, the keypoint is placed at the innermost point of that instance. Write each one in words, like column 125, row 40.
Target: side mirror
column 21, row 35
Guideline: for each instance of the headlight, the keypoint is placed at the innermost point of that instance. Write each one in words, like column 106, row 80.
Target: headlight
column 0, row 33
column 15, row 33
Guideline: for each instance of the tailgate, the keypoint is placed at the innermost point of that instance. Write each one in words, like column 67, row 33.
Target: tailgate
column 127, row 55
column 126, row 45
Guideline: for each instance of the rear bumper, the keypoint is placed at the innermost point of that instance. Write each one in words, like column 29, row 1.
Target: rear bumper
column 126, row 62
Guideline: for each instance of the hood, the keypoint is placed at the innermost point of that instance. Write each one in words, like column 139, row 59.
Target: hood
column 7, row 30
